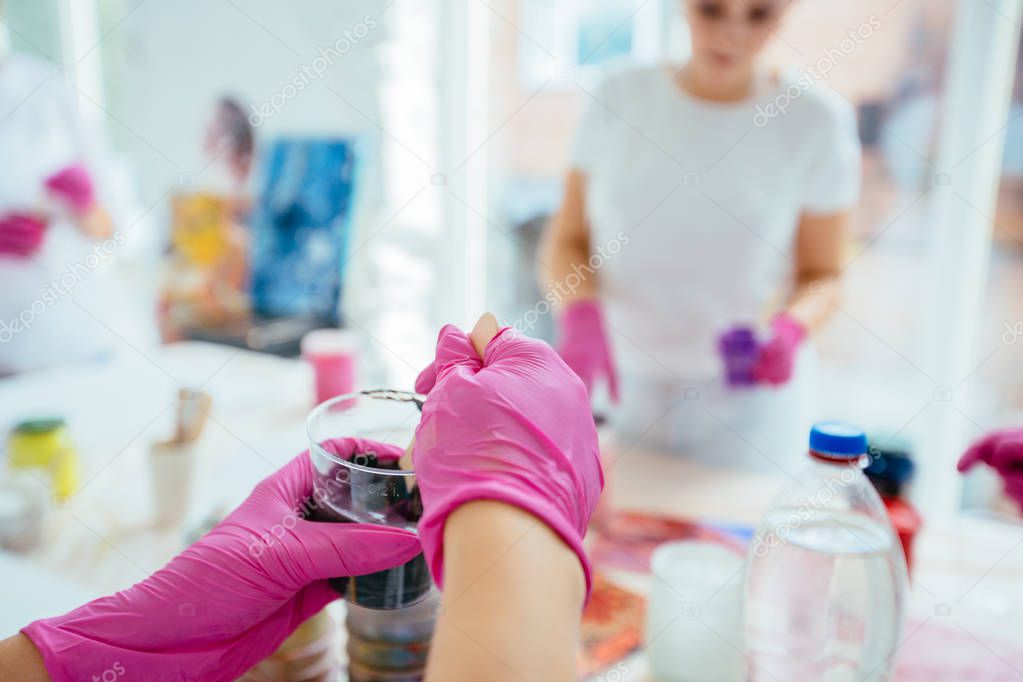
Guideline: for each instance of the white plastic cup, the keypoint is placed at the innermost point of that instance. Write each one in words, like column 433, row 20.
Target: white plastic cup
column 172, row 470
column 22, row 503
column 694, row 615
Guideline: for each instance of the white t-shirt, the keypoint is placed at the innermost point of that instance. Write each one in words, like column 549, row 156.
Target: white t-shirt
column 696, row 206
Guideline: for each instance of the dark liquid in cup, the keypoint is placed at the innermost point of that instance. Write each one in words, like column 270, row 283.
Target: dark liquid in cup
column 353, row 496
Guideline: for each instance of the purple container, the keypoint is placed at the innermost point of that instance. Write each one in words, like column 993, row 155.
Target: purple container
column 739, row 348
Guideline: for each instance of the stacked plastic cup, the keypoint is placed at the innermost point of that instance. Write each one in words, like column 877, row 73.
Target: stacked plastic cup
column 391, row 613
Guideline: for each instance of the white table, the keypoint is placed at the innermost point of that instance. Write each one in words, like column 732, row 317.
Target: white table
column 103, row 541
column 968, row 569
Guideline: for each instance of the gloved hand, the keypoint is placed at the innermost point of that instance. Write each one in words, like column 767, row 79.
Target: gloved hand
column 21, row 234
column 1003, row 452
column 776, row 357
column 74, row 187
column 229, row 600
column 583, row 344
column 514, row 427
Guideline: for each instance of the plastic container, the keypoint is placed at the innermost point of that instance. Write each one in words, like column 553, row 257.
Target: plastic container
column 369, row 487
column 332, row 354
column 826, row 582
column 172, row 477
column 891, row 471
column 22, row 504
column 390, row 645
column 37, row 442
column 739, row 348
column 45, row 444
column 694, row 614
column 391, row 613
column 310, row 654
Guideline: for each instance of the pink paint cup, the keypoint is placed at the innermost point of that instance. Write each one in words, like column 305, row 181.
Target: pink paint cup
column 332, row 354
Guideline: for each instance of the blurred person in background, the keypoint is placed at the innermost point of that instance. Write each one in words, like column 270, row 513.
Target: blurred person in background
column 55, row 235
column 229, row 145
column 718, row 195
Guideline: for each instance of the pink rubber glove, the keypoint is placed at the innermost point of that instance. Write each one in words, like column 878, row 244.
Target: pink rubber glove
column 74, row 187
column 777, row 356
column 514, row 427
column 583, row 344
column 229, row 600
column 21, row 234
column 1003, row 452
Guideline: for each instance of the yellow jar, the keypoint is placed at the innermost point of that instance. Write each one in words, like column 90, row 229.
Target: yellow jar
column 37, row 442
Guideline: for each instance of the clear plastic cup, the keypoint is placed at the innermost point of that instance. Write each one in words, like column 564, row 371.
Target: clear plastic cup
column 369, row 486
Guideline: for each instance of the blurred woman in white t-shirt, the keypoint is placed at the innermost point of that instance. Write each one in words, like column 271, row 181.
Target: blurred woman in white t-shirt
column 56, row 238
column 705, row 199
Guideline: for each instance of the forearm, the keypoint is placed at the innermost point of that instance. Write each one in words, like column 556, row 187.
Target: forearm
column 512, row 599
column 95, row 223
column 565, row 257
column 566, row 247
column 821, row 244
column 20, row 660
column 814, row 299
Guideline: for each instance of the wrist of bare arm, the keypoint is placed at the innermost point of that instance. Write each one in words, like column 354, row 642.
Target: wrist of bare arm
column 816, row 297
column 21, row 660
column 513, row 595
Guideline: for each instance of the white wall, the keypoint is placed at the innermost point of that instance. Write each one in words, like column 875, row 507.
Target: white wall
column 179, row 57
column 166, row 62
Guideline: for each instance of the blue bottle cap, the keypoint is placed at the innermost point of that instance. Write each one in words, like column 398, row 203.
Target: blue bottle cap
column 838, row 440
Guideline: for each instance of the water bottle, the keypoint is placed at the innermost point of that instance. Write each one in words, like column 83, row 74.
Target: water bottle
column 826, row 581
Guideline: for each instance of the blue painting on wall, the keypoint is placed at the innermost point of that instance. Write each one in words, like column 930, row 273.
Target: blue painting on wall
column 300, row 227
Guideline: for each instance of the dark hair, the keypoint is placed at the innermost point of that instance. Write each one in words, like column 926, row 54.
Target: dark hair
column 237, row 126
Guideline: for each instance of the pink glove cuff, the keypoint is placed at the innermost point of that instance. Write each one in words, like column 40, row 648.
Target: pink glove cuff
column 787, row 327
column 431, row 525
column 583, row 344
column 584, row 312
column 74, row 185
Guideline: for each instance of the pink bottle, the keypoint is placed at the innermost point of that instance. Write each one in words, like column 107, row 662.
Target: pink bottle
column 332, row 354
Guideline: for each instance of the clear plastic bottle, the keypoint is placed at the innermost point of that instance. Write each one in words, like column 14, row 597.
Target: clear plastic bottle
column 826, row 581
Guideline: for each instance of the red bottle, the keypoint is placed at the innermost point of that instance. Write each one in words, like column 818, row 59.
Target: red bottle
column 891, row 469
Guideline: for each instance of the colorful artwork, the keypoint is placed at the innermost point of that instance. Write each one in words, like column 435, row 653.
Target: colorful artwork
column 630, row 538
column 300, row 226
column 206, row 279
column 612, row 627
